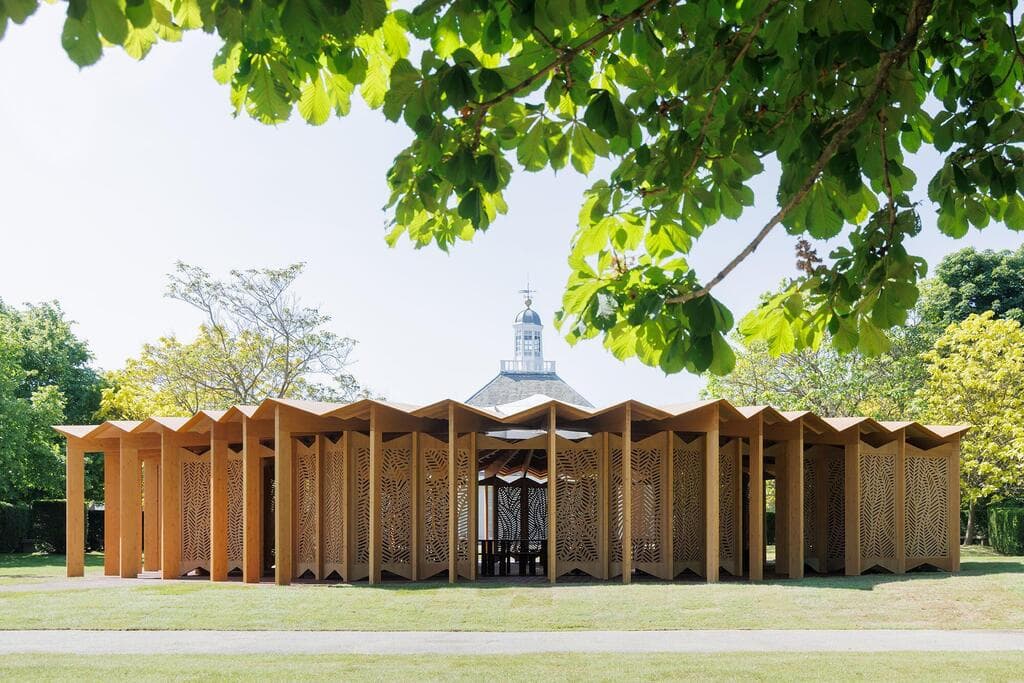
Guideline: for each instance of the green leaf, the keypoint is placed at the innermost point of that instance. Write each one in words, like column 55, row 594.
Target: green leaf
column 872, row 341
column 458, row 86
column 723, row 358
column 404, row 85
column 314, row 102
column 532, row 150
column 81, row 40
column 18, row 10
column 472, row 207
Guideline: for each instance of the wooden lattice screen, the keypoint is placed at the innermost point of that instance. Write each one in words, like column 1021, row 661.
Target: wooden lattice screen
column 878, row 505
column 615, row 509
column 359, row 511
column 688, row 506
column 650, row 486
column 578, row 493
column 333, row 494
column 236, row 519
column 730, row 507
column 195, row 511
column 926, row 537
column 433, row 506
column 465, row 554
column 307, row 506
column 836, row 513
column 811, row 537
column 396, row 506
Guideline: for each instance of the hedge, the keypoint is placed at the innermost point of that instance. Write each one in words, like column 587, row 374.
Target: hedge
column 1006, row 530
column 94, row 529
column 48, row 528
column 15, row 524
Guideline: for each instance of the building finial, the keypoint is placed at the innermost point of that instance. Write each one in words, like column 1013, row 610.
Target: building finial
column 528, row 293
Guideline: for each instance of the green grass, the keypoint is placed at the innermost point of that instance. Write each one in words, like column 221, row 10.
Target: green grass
column 19, row 568
column 889, row 666
column 988, row 593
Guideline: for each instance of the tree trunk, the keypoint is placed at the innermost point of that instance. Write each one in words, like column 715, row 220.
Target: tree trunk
column 969, row 532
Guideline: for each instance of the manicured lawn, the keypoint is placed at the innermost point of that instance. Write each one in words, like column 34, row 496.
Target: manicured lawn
column 988, row 593
column 35, row 567
column 564, row 667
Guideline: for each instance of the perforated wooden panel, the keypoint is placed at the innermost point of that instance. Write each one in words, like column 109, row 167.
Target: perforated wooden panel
column 615, row 509
column 434, row 532
column 878, row 506
column 236, row 520
column 333, row 493
column 360, row 521
column 836, row 513
column 810, row 518
column 647, row 499
column 396, row 506
column 509, row 513
column 195, row 511
column 578, row 506
column 307, row 508
column 927, row 501
column 462, row 475
column 688, row 505
column 728, row 499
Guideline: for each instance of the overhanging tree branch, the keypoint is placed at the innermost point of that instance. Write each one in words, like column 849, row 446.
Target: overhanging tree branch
column 915, row 20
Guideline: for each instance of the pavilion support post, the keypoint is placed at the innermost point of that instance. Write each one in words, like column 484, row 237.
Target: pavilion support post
column 75, row 516
column 284, row 497
column 170, row 506
column 131, row 510
column 901, row 498
column 795, row 504
column 603, row 484
column 851, row 502
column 321, row 483
column 712, row 529
column 151, row 514
column 349, row 506
column 627, row 496
column 218, row 502
column 552, row 497
column 414, row 523
column 474, row 499
column 453, row 492
column 755, row 543
column 252, row 509
column 953, row 512
column 667, row 531
column 112, row 511
column 376, row 454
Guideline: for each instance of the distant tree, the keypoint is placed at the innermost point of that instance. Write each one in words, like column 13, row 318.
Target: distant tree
column 976, row 377
column 45, row 379
column 257, row 340
column 969, row 281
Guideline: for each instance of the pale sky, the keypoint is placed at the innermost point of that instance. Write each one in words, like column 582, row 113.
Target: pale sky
column 111, row 174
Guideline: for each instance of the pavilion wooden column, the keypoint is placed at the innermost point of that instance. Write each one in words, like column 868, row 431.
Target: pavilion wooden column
column 376, row 453
column 901, row 501
column 953, row 512
column 252, row 508
column 552, row 567
column 627, row 496
column 75, row 516
column 414, row 508
column 453, row 490
column 795, row 504
column 131, row 509
column 170, row 505
column 284, row 495
column 151, row 514
column 851, row 501
column 474, row 499
column 755, row 542
column 218, row 502
column 604, row 485
column 712, row 529
column 112, row 510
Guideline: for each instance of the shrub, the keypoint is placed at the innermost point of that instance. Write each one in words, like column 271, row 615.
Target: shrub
column 1006, row 530
column 48, row 528
column 94, row 529
column 15, row 524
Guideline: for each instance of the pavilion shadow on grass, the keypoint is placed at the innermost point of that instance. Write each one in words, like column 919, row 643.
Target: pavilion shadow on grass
column 372, row 489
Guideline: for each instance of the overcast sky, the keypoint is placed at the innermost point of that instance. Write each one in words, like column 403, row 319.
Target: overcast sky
column 111, row 174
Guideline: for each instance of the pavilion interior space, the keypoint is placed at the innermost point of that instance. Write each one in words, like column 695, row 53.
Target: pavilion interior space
column 373, row 491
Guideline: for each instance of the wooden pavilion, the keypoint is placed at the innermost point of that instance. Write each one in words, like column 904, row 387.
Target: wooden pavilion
column 371, row 490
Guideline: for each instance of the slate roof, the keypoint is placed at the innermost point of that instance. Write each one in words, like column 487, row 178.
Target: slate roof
column 509, row 387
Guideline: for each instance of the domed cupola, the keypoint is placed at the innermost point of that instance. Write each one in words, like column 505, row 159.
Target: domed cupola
column 529, row 343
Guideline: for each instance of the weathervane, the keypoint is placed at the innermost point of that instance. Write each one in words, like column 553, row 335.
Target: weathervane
column 528, row 293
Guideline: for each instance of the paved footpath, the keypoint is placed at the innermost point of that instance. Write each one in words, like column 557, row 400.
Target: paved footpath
column 470, row 642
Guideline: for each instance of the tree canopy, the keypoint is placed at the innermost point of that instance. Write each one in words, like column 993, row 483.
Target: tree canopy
column 688, row 101
column 976, row 377
column 970, row 281
column 257, row 340
column 45, row 379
